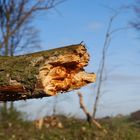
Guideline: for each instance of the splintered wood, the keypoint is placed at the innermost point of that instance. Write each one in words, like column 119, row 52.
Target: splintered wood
column 44, row 73
column 65, row 72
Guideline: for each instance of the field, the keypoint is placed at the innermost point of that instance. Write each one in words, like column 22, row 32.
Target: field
column 14, row 127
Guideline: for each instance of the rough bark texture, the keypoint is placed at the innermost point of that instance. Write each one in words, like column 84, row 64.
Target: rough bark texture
column 44, row 73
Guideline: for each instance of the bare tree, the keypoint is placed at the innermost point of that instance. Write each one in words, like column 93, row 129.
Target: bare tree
column 16, row 18
column 101, row 75
column 136, row 22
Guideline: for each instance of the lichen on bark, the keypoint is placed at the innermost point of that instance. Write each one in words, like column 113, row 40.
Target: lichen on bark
column 19, row 69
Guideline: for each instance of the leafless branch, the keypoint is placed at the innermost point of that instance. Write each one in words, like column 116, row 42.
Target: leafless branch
column 16, row 16
column 88, row 115
column 101, row 76
column 120, row 29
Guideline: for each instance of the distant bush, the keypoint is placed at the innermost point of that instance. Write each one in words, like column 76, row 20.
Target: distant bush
column 135, row 115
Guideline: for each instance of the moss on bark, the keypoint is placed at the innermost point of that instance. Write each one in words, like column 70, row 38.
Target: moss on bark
column 25, row 68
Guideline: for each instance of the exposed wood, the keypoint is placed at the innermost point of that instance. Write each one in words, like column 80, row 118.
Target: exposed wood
column 44, row 73
column 88, row 115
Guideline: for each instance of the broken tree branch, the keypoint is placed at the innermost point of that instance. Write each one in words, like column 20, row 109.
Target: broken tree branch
column 88, row 115
column 44, row 73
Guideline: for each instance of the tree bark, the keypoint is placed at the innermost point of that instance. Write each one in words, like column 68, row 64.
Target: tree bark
column 44, row 73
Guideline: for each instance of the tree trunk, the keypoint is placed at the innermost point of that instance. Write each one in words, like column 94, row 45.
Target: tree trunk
column 44, row 73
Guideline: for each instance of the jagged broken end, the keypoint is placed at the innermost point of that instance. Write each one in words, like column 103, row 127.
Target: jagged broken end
column 66, row 72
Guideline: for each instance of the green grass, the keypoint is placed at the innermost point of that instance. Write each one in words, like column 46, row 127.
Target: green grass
column 13, row 127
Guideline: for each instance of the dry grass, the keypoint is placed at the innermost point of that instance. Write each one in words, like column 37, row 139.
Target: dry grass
column 13, row 127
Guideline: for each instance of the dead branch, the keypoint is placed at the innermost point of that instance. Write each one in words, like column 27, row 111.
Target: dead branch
column 88, row 115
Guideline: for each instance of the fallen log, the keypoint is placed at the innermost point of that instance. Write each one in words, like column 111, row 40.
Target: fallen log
column 44, row 73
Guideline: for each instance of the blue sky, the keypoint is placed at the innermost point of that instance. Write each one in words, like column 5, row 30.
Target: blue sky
column 86, row 20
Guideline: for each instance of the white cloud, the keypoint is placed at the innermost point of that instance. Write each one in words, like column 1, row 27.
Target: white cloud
column 94, row 26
